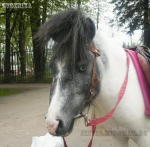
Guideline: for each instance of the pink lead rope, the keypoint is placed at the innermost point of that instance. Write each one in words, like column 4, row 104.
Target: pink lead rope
column 94, row 122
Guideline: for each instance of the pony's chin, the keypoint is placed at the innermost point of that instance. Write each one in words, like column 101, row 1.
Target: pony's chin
column 67, row 134
column 69, row 130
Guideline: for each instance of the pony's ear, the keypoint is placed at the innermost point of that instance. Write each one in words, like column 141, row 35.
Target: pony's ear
column 91, row 28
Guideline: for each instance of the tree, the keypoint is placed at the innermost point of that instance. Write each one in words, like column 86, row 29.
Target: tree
column 7, row 43
column 124, row 45
column 18, row 26
column 79, row 3
column 22, row 39
column 148, row 38
column 95, row 8
column 9, row 31
column 38, row 15
column 35, row 22
column 133, row 14
column 98, row 13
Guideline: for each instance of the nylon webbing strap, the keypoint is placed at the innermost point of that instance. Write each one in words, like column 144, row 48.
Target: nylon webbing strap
column 65, row 144
column 94, row 122
column 121, row 93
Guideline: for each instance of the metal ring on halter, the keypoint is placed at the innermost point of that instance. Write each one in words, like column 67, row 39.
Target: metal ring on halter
column 82, row 115
column 93, row 93
column 86, row 120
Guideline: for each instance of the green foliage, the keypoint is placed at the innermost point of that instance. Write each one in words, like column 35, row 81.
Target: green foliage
column 136, row 44
column 124, row 45
column 32, row 19
column 2, row 26
column 132, row 14
column 53, row 6
column 133, row 44
column 94, row 7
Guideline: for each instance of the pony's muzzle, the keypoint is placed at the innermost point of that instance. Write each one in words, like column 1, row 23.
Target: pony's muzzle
column 55, row 127
column 52, row 125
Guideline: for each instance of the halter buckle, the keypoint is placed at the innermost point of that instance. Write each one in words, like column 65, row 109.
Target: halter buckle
column 86, row 120
column 93, row 93
column 78, row 116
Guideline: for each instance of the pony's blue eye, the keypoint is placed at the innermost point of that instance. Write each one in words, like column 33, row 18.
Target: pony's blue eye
column 83, row 68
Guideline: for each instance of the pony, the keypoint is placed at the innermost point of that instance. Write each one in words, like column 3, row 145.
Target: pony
column 72, row 69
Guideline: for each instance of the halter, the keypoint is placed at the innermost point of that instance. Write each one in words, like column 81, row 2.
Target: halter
column 94, row 83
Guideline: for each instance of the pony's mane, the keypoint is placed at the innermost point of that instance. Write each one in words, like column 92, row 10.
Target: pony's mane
column 71, row 30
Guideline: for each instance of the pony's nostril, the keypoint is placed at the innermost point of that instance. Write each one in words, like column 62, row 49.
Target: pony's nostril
column 52, row 125
column 60, row 125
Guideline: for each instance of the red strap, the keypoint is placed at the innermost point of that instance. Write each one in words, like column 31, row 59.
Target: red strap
column 121, row 93
column 94, row 122
column 65, row 144
column 93, row 132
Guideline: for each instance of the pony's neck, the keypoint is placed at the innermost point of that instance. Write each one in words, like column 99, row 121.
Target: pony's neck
column 113, row 68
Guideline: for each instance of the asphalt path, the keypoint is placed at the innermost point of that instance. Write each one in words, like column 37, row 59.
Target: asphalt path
column 22, row 117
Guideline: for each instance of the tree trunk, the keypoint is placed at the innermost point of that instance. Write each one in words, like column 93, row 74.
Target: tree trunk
column 148, row 38
column 98, row 15
column 44, row 15
column 0, row 55
column 52, row 8
column 39, row 60
column 79, row 4
column 22, row 38
column 7, row 46
column 9, row 32
column 131, row 39
column 70, row 3
column 146, row 21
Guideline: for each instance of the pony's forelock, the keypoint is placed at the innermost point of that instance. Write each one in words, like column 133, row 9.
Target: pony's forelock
column 71, row 31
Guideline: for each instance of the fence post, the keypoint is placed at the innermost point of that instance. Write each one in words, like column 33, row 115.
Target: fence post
column 12, row 64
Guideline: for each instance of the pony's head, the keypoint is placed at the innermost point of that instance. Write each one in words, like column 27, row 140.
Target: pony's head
column 71, row 65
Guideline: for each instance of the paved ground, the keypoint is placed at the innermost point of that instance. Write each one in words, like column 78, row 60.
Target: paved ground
column 22, row 117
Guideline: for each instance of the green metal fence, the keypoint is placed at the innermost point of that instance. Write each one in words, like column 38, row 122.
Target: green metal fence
column 15, row 75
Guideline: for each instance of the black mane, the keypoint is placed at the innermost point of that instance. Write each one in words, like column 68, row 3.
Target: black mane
column 71, row 30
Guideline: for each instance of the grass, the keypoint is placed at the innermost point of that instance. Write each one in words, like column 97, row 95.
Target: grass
column 28, row 78
column 4, row 92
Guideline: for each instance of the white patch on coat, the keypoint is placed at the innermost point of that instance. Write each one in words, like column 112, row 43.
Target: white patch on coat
column 130, row 113
column 55, row 104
